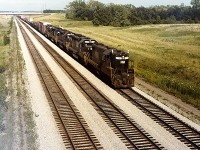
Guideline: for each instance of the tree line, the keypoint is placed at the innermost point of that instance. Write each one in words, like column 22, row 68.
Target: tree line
column 125, row 15
column 53, row 11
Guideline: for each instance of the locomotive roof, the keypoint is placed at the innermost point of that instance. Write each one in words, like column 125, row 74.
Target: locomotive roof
column 78, row 36
column 107, row 52
column 102, row 46
column 115, row 52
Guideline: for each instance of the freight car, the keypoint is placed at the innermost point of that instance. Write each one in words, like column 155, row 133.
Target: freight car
column 109, row 62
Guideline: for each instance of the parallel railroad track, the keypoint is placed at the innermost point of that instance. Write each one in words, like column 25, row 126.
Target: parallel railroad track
column 178, row 128
column 127, row 130
column 74, row 130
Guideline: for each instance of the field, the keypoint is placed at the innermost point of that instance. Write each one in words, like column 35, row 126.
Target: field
column 167, row 56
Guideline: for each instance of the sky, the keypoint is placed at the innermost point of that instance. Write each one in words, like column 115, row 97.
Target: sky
column 39, row 5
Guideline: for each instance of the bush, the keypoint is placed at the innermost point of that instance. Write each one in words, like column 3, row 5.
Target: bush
column 6, row 40
column 2, row 69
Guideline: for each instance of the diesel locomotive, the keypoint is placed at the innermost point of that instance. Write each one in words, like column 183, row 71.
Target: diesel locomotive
column 109, row 62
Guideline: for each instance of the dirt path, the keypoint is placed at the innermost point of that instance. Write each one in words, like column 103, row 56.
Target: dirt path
column 169, row 100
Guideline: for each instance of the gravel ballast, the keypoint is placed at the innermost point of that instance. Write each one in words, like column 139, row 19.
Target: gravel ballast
column 184, row 119
column 47, row 131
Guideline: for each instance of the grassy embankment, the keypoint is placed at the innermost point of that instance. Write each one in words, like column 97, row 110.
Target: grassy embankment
column 167, row 56
column 12, row 70
column 4, row 41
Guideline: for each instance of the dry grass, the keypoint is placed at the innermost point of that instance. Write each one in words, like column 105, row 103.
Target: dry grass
column 165, row 55
column 4, row 27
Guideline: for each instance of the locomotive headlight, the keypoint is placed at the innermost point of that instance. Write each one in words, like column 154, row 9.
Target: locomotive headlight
column 126, row 57
column 122, row 62
column 122, row 58
column 119, row 58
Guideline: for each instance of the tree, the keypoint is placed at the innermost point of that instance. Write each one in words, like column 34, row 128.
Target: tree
column 93, row 4
column 120, row 15
column 196, row 9
column 195, row 4
column 74, row 8
column 102, row 16
column 78, row 9
column 114, row 15
column 124, row 15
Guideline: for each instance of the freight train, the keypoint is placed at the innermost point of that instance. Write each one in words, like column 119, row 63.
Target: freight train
column 109, row 62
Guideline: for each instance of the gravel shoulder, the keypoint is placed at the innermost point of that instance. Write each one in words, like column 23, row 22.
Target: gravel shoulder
column 19, row 127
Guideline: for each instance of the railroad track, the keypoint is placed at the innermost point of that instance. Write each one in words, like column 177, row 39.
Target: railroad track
column 178, row 128
column 125, row 128
column 74, row 130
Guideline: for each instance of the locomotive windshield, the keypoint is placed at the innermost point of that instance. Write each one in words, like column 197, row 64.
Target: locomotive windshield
column 87, row 43
column 120, row 60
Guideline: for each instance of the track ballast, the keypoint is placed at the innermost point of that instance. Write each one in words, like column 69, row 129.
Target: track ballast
column 180, row 129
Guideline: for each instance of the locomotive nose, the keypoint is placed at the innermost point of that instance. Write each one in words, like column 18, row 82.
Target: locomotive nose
column 123, row 80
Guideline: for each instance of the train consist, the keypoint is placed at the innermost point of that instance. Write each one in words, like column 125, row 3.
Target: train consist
column 109, row 62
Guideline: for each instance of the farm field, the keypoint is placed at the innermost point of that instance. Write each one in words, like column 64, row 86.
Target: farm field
column 167, row 56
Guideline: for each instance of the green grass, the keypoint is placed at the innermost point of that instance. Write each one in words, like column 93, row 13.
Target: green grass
column 166, row 55
column 4, row 28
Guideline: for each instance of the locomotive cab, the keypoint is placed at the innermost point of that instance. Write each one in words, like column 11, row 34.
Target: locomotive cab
column 119, row 61
column 122, row 76
column 50, row 32
column 86, row 45
column 67, row 39
column 85, row 48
